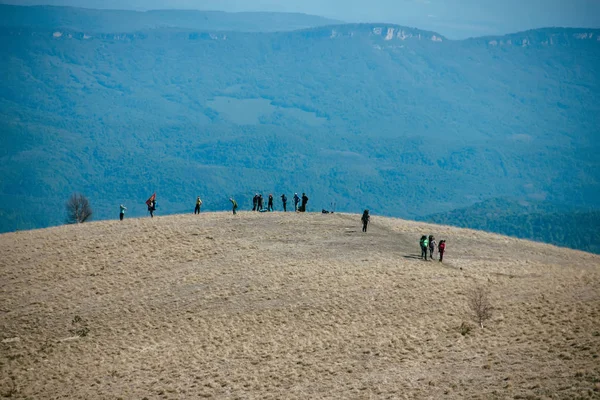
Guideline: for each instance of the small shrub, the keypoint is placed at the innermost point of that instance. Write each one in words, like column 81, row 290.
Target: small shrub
column 465, row 329
column 81, row 329
column 479, row 303
column 78, row 209
column 11, row 390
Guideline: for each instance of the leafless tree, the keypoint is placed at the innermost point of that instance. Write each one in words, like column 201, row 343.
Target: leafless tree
column 78, row 209
column 479, row 303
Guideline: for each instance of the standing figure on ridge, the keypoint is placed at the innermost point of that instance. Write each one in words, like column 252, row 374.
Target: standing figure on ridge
column 432, row 246
column 198, row 204
column 255, row 202
column 152, row 208
column 441, row 249
column 284, row 201
column 296, row 201
column 260, row 203
column 270, row 203
column 234, row 205
column 304, row 201
column 424, row 246
column 365, row 220
column 122, row 212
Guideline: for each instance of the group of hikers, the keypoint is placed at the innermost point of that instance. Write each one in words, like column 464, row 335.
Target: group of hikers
column 428, row 244
column 258, row 202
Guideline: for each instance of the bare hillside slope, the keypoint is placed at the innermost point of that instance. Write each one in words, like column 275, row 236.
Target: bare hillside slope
column 291, row 306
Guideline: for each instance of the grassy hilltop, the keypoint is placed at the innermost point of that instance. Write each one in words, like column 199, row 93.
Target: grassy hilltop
column 293, row 306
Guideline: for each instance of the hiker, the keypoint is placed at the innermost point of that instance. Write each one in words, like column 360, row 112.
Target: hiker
column 284, row 201
column 365, row 220
column 255, row 202
column 441, row 249
column 304, row 201
column 296, row 201
column 260, row 203
column 233, row 204
column 270, row 203
column 432, row 246
column 198, row 204
column 122, row 212
column 152, row 208
column 424, row 244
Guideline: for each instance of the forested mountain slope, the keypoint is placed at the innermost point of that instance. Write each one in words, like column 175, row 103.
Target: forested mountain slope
column 395, row 119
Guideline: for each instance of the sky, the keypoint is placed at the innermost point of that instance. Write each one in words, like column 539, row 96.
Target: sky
column 455, row 19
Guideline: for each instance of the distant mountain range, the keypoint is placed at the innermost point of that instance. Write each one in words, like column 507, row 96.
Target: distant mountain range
column 395, row 119
column 122, row 21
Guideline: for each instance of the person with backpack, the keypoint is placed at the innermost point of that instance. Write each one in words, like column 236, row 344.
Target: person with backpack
column 270, row 203
column 152, row 208
column 296, row 201
column 304, row 201
column 234, row 204
column 424, row 244
column 260, row 203
column 441, row 249
column 255, row 202
column 365, row 220
column 284, row 201
column 198, row 204
column 432, row 246
column 122, row 212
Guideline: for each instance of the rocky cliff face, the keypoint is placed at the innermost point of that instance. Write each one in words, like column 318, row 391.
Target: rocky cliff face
column 377, row 32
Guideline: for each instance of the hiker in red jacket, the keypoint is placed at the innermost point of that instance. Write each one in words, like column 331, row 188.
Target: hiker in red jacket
column 441, row 249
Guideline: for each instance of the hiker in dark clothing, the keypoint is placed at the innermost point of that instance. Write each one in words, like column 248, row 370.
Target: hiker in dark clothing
column 122, row 212
column 365, row 220
column 441, row 249
column 260, row 202
column 424, row 242
column 296, row 201
column 198, row 204
column 152, row 208
column 233, row 204
column 284, row 201
column 432, row 246
column 255, row 202
column 304, row 201
column 270, row 203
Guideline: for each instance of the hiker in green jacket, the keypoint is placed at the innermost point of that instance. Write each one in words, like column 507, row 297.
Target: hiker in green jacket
column 234, row 204
column 424, row 242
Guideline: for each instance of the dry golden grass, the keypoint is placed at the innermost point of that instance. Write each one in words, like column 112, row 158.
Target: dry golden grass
column 291, row 306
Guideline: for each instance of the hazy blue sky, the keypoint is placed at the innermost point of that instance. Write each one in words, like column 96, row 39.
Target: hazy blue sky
column 453, row 18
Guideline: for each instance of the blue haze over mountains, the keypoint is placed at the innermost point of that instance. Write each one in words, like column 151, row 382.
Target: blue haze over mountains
column 404, row 121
